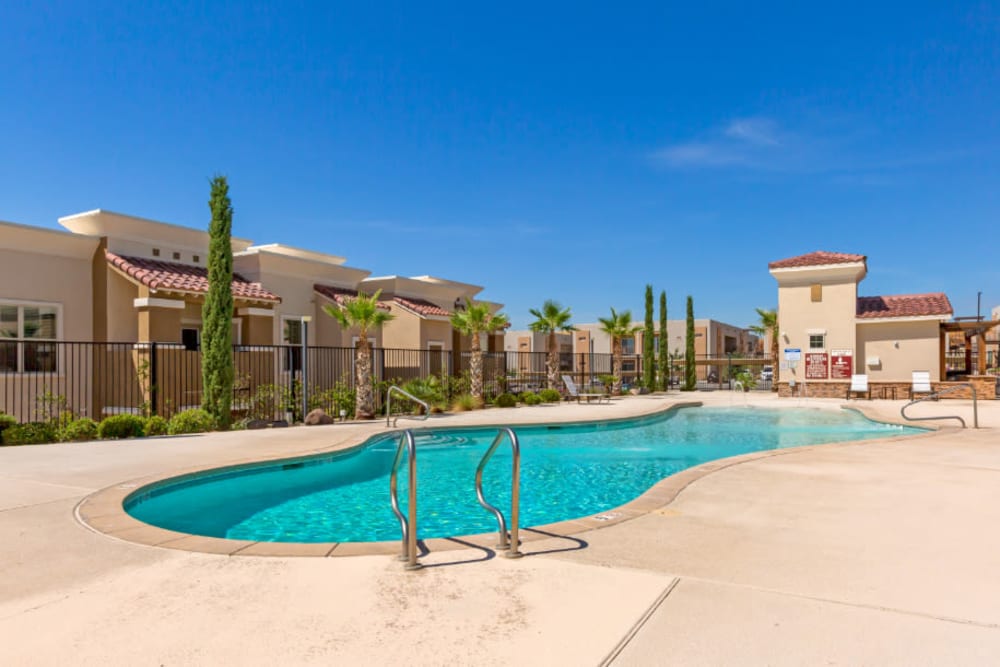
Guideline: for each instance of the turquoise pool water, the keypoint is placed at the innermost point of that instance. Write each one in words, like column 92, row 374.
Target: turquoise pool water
column 567, row 471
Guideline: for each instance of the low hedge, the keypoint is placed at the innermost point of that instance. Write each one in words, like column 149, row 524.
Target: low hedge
column 531, row 398
column 156, row 425
column 195, row 420
column 122, row 426
column 506, row 401
column 6, row 421
column 550, row 395
column 32, row 433
column 78, row 430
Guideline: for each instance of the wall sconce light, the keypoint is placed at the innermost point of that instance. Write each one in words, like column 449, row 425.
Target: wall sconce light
column 895, row 344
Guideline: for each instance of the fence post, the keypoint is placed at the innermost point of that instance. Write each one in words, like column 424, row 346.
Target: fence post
column 154, row 377
column 305, row 366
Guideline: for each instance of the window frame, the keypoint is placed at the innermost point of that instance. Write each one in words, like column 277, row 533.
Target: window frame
column 822, row 341
column 21, row 341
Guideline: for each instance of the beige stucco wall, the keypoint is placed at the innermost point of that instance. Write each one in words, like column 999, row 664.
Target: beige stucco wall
column 798, row 314
column 901, row 347
column 434, row 330
column 120, row 318
column 62, row 281
column 326, row 330
column 403, row 330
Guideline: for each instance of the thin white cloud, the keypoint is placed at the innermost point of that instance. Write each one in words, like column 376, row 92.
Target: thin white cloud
column 748, row 142
column 756, row 131
column 700, row 154
column 761, row 144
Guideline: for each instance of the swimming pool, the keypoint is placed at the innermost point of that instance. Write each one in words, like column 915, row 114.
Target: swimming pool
column 567, row 471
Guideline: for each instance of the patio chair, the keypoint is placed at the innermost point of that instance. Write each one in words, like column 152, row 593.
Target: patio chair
column 921, row 383
column 859, row 385
column 574, row 391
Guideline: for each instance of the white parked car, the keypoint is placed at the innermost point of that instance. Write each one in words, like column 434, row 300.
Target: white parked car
column 767, row 374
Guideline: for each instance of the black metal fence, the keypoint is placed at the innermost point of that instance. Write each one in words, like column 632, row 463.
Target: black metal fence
column 39, row 381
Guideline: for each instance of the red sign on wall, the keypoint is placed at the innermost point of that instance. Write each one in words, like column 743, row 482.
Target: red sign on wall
column 816, row 366
column 841, row 364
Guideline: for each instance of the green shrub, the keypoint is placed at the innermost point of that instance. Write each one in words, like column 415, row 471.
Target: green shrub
column 465, row 402
column 32, row 433
column 195, row 420
column 6, row 421
column 506, row 401
column 531, row 398
column 77, row 430
column 156, row 425
column 550, row 395
column 122, row 426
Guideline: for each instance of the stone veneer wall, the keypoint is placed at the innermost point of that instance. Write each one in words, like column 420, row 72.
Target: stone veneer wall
column 985, row 389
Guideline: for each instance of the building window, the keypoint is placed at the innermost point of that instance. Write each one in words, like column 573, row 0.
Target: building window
column 191, row 338
column 27, row 338
column 628, row 345
column 291, row 336
column 817, row 341
column 156, row 252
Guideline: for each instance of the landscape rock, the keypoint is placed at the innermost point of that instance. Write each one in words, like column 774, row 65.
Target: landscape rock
column 318, row 417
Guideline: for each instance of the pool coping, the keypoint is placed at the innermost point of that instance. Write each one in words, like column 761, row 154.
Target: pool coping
column 104, row 511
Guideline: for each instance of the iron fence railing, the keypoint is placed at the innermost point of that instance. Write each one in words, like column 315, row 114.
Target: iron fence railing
column 41, row 379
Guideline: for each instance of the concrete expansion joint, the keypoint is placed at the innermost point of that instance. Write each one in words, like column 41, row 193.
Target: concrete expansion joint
column 846, row 603
column 638, row 625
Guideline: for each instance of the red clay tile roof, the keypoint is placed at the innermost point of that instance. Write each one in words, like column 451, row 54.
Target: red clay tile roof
column 421, row 307
column 168, row 276
column 903, row 305
column 340, row 295
column 818, row 258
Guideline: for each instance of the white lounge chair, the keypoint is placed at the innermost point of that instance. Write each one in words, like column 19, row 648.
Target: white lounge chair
column 859, row 385
column 574, row 391
column 921, row 383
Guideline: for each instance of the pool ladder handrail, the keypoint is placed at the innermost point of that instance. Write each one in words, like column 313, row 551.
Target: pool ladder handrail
column 938, row 394
column 408, row 525
column 510, row 543
column 406, row 394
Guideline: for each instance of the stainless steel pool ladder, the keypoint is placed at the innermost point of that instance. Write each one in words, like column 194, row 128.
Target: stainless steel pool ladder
column 935, row 396
column 408, row 525
column 406, row 394
column 408, row 522
column 509, row 543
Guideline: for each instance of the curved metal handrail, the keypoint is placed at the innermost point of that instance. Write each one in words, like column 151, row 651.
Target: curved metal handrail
column 407, row 525
column 935, row 395
column 513, row 543
column 388, row 405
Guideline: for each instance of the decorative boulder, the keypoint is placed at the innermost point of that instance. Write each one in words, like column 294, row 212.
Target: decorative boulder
column 255, row 424
column 318, row 417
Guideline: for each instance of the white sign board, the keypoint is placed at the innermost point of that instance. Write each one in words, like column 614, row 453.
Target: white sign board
column 793, row 354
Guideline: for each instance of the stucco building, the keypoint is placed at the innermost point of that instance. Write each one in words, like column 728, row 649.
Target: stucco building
column 124, row 280
column 827, row 332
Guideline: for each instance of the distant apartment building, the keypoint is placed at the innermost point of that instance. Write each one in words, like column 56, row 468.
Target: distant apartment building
column 714, row 340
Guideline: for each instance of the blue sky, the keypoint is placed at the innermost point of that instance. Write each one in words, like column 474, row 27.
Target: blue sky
column 564, row 151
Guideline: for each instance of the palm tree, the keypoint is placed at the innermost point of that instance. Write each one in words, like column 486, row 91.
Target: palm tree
column 768, row 326
column 618, row 326
column 550, row 319
column 476, row 319
column 364, row 314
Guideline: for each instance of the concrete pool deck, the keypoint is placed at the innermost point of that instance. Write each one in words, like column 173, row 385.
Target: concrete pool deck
column 880, row 552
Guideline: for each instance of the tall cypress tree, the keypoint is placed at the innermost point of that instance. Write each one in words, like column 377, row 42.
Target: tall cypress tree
column 690, row 379
column 217, row 313
column 648, row 357
column 664, row 364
